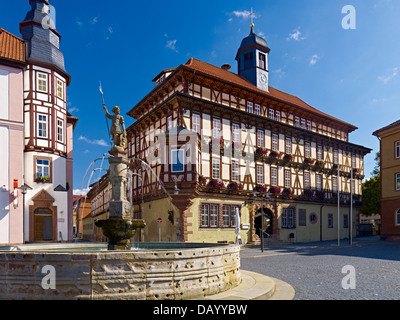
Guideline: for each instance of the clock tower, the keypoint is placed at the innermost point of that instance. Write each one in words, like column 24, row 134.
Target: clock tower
column 252, row 58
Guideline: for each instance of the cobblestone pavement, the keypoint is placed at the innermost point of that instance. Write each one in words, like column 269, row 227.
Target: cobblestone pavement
column 315, row 269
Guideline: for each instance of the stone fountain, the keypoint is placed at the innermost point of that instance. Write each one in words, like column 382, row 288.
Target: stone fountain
column 119, row 228
column 172, row 271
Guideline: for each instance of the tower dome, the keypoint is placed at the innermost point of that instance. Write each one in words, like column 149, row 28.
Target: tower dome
column 252, row 58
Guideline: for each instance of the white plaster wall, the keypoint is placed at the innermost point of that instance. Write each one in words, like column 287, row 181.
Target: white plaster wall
column 4, row 94
column 4, row 180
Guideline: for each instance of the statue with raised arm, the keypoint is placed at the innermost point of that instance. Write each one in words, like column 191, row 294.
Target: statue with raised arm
column 117, row 121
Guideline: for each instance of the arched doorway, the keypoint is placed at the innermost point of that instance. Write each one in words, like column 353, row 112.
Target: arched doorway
column 43, row 225
column 268, row 222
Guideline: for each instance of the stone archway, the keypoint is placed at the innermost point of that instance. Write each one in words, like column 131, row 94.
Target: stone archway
column 255, row 219
column 42, row 218
column 268, row 222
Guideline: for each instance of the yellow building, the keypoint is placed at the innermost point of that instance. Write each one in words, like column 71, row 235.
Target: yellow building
column 212, row 137
column 389, row 137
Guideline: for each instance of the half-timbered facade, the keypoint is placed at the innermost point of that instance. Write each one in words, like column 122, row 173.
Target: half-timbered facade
column 213, row 137
column 46, row 131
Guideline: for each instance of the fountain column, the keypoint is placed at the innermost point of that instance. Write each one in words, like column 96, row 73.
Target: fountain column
column 119, row 228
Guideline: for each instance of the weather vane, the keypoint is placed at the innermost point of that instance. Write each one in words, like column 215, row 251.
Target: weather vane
column 251, row 16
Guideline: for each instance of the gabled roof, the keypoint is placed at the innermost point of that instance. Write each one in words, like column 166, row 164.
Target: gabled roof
column 393, row 125
column 208, row 70
column 233, row 78
column 11, row 47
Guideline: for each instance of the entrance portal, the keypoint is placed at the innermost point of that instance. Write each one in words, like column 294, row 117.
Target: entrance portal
column 43, row 225
column 268, row 221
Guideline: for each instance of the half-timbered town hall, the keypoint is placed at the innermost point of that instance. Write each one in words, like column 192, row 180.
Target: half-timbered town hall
column 218, row 142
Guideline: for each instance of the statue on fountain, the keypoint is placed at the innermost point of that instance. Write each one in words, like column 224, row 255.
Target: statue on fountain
column 120, row 227
column 118, row 136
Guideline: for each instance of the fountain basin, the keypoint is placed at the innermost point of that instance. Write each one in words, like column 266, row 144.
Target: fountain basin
column 189, row 272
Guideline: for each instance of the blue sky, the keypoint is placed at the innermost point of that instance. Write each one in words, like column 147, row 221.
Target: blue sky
column 350, row 74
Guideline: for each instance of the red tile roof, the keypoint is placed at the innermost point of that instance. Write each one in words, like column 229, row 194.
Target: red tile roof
column 11, row 47
column 235, row 79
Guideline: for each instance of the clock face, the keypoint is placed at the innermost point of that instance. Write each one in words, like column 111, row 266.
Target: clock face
column 263, row 78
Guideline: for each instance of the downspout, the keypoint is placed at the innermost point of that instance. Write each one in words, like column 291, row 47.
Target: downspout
column 320, row 223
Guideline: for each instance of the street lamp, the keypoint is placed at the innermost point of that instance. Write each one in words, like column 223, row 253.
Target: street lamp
column 24, row 190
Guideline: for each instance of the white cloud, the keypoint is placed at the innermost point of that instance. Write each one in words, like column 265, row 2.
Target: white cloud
column 171, row 44
column 295, row 35
column 73, row 109
column 94, row 20
column 81, row 192
column 386, row 79
column 314, row 59
column 100, row 142
column 243, row 14
column 110, row 30
column 79, row 23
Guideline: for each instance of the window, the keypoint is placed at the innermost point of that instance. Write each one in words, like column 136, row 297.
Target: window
column 308, row 125
column 334, row 184
column 226, row 216
column 42, row 168
column 288, row 182
column 397, row 218
column 318, row 177
column 248, row 60
column 345, row 221
column 260, row 138
column 235, row 133
column 307, row 184
column 250, row 107
column 214, row 215
column 274, row 177
column 42, row 81
column 60, row 130
column 307, row 149
column 275, row 142
column 205, row 215
column 288, row 145
column 271, row 114
column 288, row 218
column 42, row 125
column 397, row 181
column 260, row 175
column 303, row 123
column 313, row 218
column 235, row 171
column 257, row 109
column 216, row 128
column 177, row 160
column 137, row 144
column 196, row 123
column 320, row 153
column 215, row 168
column 330, row 220
column 297, row 122
column 169, row 122
column 139, row 178
column 302, row 217
column 397, row 149
column 277, row 115
column 261, row 60
column 60, row 89
column 335, row 156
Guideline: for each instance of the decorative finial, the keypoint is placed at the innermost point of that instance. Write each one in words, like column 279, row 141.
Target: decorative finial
column 251, row 16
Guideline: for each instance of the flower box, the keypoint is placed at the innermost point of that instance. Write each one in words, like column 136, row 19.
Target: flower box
column 261, row 188
column 275, row 190
column 287, row 191
column 202, row 180
column 275, row 154
column 262, row 151
column 42, row 179
column 236, row 186
column 216, row 183
column 288, row 157
column 308, row 193
column 309, row 161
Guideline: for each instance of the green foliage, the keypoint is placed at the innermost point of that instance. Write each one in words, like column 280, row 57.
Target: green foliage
column 371, row 196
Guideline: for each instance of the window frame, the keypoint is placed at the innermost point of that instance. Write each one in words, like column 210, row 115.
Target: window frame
column 179, row 151
column 260, row 174
column 235, row 170
column 60, row 88
column 41, row 122
column 49, row 166
column 39, row 80
column 196, row 122
column 275, row 141
column 60, row 127
column 216, row 129
column 397, row 149
column 397, row 181
column 260, row 138
column 218, row 162
column 274, row 177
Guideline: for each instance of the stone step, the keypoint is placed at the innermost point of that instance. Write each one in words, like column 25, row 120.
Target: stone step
column 255, row 286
